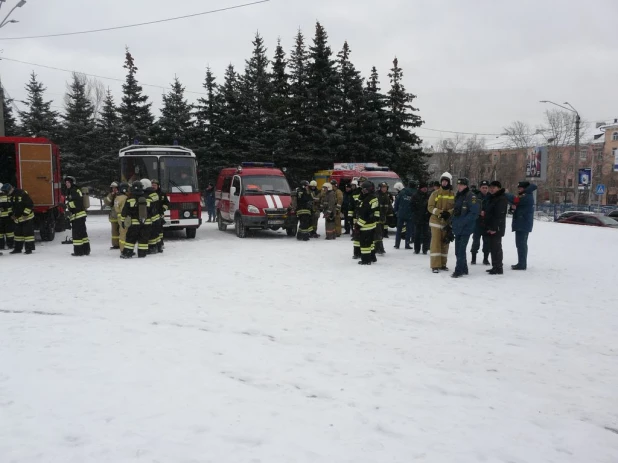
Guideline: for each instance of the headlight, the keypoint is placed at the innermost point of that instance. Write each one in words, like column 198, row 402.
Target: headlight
column 253, row 209
column 187, row 214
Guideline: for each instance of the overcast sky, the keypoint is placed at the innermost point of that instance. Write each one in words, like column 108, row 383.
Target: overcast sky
column 475, row 65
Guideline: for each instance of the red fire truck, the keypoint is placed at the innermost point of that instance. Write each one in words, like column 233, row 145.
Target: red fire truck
column 33, row 164
column 176, row 169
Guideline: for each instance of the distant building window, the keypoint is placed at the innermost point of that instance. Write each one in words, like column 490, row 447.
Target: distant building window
column 615, row 136
column 583, row 155
column 570, row 182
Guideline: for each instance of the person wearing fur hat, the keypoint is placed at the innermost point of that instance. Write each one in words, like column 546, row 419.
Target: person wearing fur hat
column 495, row 224
column 440, row 205
column 479, row 231
column 75, row 203
column 523, row 220
column 465, row 213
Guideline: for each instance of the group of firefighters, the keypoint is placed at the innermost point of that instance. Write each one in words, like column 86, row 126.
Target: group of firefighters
column 428, row 220
column 136, row 217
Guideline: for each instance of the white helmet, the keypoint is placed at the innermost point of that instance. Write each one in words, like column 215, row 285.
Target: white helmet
column 313, row 183
column 398, row 186
column 354, row 182
column 447, row 176
column 146, row 183
column 328, row 186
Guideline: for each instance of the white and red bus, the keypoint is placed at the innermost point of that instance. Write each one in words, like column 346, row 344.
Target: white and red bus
column 176, row 169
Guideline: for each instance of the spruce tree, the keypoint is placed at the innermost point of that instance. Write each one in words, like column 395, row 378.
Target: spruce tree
column 10, row 124
column 298, row 163
column 135, row 114
column 38, row 119
column 278, row 126
column 324, row 99
column 374, row 121
column 176, row 121
column 109, row 137
column 351, row 110
column 233, row 147
column 406, row 156
column 208, row 130
column 255, row 94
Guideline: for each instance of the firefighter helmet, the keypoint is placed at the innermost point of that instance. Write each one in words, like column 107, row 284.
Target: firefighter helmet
column 367, row 185
column 154, row 180
column 328, row 186
column 304, row 183
column 313, row 183
column 123, row 187
column 6, row 187
column 383, row 184
column 137, row 188
column 398, row 186
column 446, row 176
column 114, row 185
column 334, row 182
column 146, row 183
column 70, row 179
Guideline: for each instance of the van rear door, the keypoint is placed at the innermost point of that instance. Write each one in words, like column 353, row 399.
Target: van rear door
column 36, row 172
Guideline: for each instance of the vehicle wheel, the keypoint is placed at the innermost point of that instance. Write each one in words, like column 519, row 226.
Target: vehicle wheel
column 241, row 230
column 191, row 232
column 292, row 231
column 220, row 223
column 48, row 229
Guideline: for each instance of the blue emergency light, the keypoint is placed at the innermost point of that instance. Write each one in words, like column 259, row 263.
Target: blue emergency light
column 257, row 164
column 376, row 169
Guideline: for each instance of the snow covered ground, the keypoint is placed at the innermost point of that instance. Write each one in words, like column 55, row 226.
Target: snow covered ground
column 272, row 350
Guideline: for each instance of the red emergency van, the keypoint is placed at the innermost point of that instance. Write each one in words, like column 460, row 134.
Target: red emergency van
column 254, row 196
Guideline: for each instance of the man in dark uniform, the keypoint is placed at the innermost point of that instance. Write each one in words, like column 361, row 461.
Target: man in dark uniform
column 7, row 226
column 356, row 199
column 385, row 204
column 304, row 211
column 23, row 217
column 465, row 213
column 479, row 230
column 138, row 208
column 422, row 233
column 163, row 206
column 495, row 224
column 345, row 207
column 75, row 204
column 367, row 215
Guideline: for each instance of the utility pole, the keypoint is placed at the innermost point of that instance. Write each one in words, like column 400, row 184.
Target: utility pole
column 2, row 132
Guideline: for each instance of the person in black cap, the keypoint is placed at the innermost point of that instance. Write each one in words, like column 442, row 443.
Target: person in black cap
column 495, row 224
column 420, row 214
column 523, row 220
column 479, row 230
column 465, row 213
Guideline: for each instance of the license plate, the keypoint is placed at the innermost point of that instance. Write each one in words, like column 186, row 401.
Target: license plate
column 276, row 222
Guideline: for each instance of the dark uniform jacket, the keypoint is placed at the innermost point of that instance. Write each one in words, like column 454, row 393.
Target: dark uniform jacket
column 480, row 221
column 419, row 207
column 75, row 203
column 495, row 212
column 465, row 212
column 385, row 203
column 304, row 201
column 403, row 204
column 131, row 209
column 523, row 216
column 368, row 212
column 22, row 205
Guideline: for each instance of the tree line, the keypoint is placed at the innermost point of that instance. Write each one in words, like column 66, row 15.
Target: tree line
column 304, row 112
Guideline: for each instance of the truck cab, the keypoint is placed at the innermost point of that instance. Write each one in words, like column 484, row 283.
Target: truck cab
column 254, row 196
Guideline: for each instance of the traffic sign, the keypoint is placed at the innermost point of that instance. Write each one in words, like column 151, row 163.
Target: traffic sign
column 600, row 189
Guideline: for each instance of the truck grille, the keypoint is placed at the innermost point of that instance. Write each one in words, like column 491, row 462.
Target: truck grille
column 275, row 211
column 184, row 206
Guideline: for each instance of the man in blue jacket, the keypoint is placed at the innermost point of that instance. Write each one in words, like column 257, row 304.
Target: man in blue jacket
column 405, row 216
column 465, row 213
column 523, row 220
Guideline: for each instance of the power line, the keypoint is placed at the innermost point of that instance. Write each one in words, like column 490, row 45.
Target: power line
column 93, row 75
column 138, row 24
column 463, row 133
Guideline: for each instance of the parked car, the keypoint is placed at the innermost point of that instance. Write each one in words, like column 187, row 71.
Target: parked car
column 594, row 220
column 569, row 214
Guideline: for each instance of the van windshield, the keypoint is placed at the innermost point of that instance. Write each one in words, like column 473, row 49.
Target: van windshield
column 265, row 185
column 390, row 181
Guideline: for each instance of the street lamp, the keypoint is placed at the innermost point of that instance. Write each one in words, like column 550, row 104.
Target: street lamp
column 577, row 122
column 5, row 20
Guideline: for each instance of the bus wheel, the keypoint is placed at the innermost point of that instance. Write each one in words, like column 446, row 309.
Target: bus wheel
column 191, row 232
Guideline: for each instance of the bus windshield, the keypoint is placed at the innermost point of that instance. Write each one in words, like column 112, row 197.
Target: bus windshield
column 265, row 185
column 134, row 168
column 178, row 174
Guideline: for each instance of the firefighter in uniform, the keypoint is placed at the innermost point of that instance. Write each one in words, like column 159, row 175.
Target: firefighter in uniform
column 355, row 204
column 75, row 204
column 119, row 201
column 137, row 207
column 304, row 211
column 317, row 202
column 385, row 203
column 479, row 230
column 164, row 205
column 440, row 205
column 367, row 216
column 7, row 226
column 339, row 198
column 113, row 216
column 329, row 207
column 22, row 216
column 153, row 196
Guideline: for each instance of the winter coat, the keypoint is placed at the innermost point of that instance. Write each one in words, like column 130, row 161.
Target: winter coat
column 440, row 201
column 317, row 200
column 385, row 203
column 419, row 208
column 75, row 203
column 480, row 222
column 131, row 209
column 339, row 198
column 523, row 205
column 403, row 204
column 109, row 202
column 466, row 211
column 329, row 205
column 346, row 205
column 209, row 199
column 304, row 202
column 155, row 203
column 119, row 205
column 495, row 212
column 5, row 205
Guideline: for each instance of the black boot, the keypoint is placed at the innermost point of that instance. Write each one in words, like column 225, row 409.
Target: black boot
column 373, row 256
column 496, row 271
column 357, row 253
column 486, row 258
column 473, row 261
column 365, row 259
column 19, row 246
